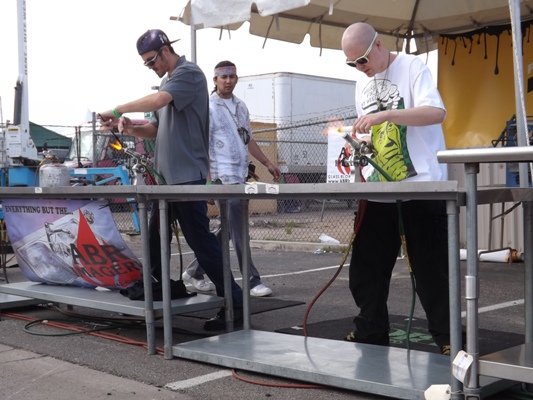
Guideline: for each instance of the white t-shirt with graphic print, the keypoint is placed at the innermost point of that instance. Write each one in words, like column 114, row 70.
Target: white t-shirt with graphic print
column 404, row 153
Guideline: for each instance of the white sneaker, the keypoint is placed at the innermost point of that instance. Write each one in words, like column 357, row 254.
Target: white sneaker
column 260, row 291
column 200, row 284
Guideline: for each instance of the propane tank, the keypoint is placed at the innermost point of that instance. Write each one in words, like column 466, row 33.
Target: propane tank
column 53, row 175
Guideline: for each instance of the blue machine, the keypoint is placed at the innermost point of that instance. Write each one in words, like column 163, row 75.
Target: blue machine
column 111, row 176
column 507, row 139
column 23, row 176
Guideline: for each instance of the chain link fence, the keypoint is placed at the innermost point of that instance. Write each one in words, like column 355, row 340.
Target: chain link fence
column 301, row 153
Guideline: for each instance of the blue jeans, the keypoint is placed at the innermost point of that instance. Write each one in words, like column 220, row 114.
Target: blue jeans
column 194, row 223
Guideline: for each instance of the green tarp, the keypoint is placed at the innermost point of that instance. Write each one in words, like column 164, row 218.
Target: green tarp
column 40, row 134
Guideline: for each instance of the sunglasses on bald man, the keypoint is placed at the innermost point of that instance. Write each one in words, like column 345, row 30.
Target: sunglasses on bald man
column 364, row 58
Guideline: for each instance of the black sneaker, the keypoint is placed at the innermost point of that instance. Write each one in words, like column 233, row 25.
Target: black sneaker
column 381, row 340
column 136, row 291
column 218, row 322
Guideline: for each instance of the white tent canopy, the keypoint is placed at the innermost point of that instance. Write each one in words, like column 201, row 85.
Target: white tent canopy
column 326, row 20
column 398, row 22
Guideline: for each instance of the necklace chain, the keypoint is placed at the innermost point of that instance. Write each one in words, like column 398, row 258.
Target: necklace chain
column 233, row 116
column 379, row 93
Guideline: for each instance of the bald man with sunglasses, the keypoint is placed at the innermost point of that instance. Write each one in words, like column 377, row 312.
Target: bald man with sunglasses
column 400, row 112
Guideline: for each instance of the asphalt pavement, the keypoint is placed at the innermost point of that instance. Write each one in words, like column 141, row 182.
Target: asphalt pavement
column 46, row 362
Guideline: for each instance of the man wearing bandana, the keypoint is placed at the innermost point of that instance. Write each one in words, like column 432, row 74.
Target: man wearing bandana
column 180, row 126
column 229, row 143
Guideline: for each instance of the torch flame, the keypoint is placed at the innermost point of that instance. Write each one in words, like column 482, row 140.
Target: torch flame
column 335, row 127
column 116, row 145
column 339, row 129
column 345, row 129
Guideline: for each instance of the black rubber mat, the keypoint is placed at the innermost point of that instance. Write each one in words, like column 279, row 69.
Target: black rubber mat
column 419, row 338
column 257, row 305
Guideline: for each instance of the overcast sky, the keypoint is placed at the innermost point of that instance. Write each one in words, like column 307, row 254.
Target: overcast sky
column 82, row 55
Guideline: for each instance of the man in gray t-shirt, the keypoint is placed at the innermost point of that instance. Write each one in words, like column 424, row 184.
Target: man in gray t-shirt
column 180, row 126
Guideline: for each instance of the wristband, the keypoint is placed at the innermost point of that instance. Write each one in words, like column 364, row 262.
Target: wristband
column 115, row 113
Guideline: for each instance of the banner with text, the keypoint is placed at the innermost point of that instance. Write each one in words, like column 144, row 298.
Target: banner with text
column 69, row 242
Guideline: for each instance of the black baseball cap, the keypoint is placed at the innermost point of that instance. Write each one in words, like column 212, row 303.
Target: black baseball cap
column 152, row 40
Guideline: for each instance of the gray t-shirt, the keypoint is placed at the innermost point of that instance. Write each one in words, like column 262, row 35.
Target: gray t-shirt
column 182, row 141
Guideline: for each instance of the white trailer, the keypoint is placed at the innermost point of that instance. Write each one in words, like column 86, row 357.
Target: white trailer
column 297, row 100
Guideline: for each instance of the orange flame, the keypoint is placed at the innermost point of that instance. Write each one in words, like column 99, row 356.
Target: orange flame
column 116, row 146
column 336, row 127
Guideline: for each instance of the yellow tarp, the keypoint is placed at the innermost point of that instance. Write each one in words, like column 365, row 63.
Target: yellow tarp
column 478, row 100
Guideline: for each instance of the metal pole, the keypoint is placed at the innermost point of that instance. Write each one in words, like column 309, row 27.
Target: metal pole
column 24, row 120
column 245, row 245
column 165, row 277
column 147, row 278
column 193, row 37
column 521, row 118
column 95, row 141
column 224, row 240
column 471, row 279
column 454, row 271
column 528, row 269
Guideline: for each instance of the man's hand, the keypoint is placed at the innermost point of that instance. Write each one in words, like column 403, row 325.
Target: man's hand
column 365, row 123
column 125, row 125
column 274, row 171
column 107, row 118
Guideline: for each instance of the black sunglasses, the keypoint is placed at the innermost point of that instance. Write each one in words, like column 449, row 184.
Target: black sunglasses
column 364, row 58
column 152, row 61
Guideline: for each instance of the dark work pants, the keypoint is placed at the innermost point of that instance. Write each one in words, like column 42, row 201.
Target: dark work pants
column 235, row 220
column 375, row 249
column 194, row 223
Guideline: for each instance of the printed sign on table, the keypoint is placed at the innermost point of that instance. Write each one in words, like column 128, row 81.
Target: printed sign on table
column 338, row 151
column 69, row 242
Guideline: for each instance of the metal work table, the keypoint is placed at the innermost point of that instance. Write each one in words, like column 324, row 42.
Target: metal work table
column 372, row 369
column 33, row 293
column 321, row 191
column 12, row 301
column 276, row 353
column 515, row 364
column 108, row 300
